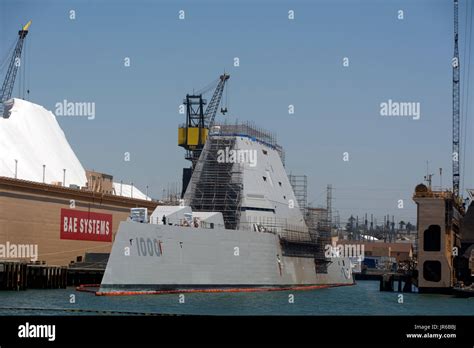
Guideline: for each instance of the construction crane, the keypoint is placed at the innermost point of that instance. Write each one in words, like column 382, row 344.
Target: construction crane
column 15, row 63
column 193, row 134
column 456, row 134
column 213, row 106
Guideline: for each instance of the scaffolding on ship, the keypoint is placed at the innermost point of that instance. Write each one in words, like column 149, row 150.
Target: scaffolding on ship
column 249, row 129
column 217, row 186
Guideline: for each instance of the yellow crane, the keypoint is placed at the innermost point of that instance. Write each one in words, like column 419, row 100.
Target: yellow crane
column 193, row 134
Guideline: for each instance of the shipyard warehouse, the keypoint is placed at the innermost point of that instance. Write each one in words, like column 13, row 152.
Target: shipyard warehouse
column 48, row 199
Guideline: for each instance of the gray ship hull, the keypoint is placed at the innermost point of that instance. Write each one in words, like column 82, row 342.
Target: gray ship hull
column 147, row 257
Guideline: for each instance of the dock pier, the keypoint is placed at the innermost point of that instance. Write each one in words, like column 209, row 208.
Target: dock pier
column 390, row 281
column 404, row 282
column 18, row 276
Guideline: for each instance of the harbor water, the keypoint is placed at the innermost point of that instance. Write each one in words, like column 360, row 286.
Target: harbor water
column 364, row 298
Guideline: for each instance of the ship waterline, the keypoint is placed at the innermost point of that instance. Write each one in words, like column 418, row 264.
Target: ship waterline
column 159, row 257
column 240, row 226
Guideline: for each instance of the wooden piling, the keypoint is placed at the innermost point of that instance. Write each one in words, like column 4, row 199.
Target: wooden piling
column 17, row 275
column 386, row 282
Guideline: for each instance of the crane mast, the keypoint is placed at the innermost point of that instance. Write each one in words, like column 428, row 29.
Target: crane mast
column 456, row 134
column 15, row 63
column 192, row 135
column 213, row 106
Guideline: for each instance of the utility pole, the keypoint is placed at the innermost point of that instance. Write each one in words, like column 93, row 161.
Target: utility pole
column 357, row 227
column 366, row 224
column 392, row 235
column 384, row 227
column 441, row 179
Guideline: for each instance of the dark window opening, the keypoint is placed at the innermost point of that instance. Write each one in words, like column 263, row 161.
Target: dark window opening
column 257, row 209
column 264, row 152
column 279, row 183
column 432, row 238
column 432, row 271
column 264, row 178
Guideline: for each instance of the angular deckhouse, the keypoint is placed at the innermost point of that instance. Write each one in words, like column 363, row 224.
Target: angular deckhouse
column 239, row 226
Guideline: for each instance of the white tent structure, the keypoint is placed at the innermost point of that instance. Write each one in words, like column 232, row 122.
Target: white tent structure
column 33, row 147
column 127, row 190
column 30, row 138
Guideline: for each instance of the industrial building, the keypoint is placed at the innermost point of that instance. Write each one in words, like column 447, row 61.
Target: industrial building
column 47, row 198
column 401, row 252
column 35, row 214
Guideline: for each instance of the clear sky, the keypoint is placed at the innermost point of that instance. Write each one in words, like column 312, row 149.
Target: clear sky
column 282, row 62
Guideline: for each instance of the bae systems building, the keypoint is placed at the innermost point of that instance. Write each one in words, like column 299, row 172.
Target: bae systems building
column 47, row 199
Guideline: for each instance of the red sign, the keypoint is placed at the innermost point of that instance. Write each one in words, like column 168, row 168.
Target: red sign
column 84, row 225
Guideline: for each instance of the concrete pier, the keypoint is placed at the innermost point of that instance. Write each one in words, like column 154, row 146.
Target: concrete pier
column 404, row 282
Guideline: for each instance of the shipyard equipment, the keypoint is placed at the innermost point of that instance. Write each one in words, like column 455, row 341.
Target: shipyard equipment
column 455, row 63
column 440, row 214
column 15, row 63
column 193, row 134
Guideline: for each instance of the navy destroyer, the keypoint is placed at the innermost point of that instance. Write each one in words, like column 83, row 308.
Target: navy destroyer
column 239, row 224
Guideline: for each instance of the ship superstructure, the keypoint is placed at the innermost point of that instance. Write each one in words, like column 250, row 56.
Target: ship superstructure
column 239, row 225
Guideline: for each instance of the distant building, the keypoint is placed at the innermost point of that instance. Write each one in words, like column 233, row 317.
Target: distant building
column 99, row 182
column 399, row 251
